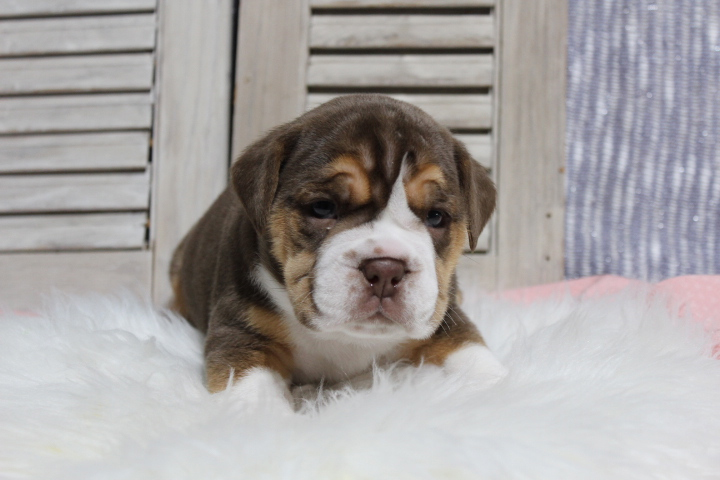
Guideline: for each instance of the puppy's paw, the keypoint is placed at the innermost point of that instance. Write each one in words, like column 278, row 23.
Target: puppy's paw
column 263, row 389
column 478, row 363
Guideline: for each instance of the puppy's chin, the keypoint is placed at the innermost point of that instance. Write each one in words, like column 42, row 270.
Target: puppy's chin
column 375, row 327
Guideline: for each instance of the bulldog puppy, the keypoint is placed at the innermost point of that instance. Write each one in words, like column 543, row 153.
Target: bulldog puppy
column 335, row 247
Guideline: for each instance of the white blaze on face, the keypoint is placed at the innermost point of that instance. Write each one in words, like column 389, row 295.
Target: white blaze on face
column 343, row 295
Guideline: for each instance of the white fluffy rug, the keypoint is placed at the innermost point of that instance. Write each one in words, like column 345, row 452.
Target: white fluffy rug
column 615, row 387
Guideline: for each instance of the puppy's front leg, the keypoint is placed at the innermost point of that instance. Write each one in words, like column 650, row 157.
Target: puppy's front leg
column 254, row 367
column 458, row 347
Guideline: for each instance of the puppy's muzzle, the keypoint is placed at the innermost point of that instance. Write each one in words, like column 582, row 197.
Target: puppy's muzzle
column 384, row 275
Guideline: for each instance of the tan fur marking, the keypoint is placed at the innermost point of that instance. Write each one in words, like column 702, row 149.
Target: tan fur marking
column 418, row 188
column 268, row 323
column 280, row 226
column 450, row 337
column 275, row 354
column 351, row 171
column 298, row 282
column 276, row 357
column 445, row 267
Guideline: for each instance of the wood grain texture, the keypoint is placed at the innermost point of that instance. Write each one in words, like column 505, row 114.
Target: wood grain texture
column 18, row 8
column 319, row 4
column 86, row 73
column 477, row 271
column 480, row 147
column 531, row 142
column 483, row 242
column 78, row 151
column 271, row 67
column 73, row 232
column 471, row 111
column 400, row 71
column 29, row 277
column 191, row 154
column 74, row 192
column 401, row 31
column 75, row 112
column 91, row 34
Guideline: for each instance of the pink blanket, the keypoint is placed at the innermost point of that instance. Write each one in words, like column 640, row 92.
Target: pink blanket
column 697, row 296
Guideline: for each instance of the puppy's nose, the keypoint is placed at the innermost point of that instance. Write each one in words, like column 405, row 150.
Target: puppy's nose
column 383, row 274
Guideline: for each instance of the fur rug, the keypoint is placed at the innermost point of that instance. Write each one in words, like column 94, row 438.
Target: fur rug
column 612, row 387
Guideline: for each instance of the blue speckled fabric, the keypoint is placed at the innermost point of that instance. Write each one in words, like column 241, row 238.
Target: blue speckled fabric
column 643, row 138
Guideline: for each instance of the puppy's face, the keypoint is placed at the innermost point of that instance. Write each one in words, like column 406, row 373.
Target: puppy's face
column 366, row 204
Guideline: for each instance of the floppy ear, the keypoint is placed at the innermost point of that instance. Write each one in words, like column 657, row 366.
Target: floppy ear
column 478, row 192
column 256, row 172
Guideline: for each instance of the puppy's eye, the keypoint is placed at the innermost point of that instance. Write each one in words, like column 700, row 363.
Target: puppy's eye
column 323, row 209
column 436, row 219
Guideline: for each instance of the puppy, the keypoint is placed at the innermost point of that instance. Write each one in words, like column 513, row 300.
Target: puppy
column 335, row 247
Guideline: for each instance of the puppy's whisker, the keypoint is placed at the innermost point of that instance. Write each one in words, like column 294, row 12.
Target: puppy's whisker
column 452, row 317
column 442, row 325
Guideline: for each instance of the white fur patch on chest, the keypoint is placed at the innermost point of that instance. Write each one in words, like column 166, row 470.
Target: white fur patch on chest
column 322, row 355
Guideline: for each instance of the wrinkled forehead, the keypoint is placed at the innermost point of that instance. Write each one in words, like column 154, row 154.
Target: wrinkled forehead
column 366, row 160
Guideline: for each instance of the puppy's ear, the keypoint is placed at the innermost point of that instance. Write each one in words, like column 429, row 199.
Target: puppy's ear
column 478, row 192
column 256, row 172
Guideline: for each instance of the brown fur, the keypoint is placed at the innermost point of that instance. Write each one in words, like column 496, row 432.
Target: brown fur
column 354, row 177
column 420, row 186
column 262, row 220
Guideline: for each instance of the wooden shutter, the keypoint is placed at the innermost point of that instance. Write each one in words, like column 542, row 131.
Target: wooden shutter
column 75, row 127
column 490, row 70
column 80, row 104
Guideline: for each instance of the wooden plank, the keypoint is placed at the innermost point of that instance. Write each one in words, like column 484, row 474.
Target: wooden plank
column 479, row 146
column 400, row 70
column 31, row 276
column 191, row 154
column 73, row 232
column 483, row 242
column 93, row 34
column 271, row 64
column 476, row 272
column 463, row 111
column 79, row 151
column 19, row 8
column 85, row 73
column 402, row 31
column 320, row 4
column 74, row 192
column 75, row 112
column 531, row 142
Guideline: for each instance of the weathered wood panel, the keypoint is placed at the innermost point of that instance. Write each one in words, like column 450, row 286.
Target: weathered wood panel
column 400, row 70
column 92, row 34
column 74, row 192
column 476, row 272
column 483, row 243
column 17, row 8
column 28, row 277
column 85, row 73
column 319, row 4
column 462, row 111
column 402, row 31
column 191, row 154
column 73, row 232
column 531, row 142
column 75, row 112
column 78, row 151
column 271, row 67
column 479, row 146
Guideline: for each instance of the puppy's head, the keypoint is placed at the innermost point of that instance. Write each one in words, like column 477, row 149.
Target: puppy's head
column 366, row 203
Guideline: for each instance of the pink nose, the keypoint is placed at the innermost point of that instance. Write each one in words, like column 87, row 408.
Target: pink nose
column 384, row 274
